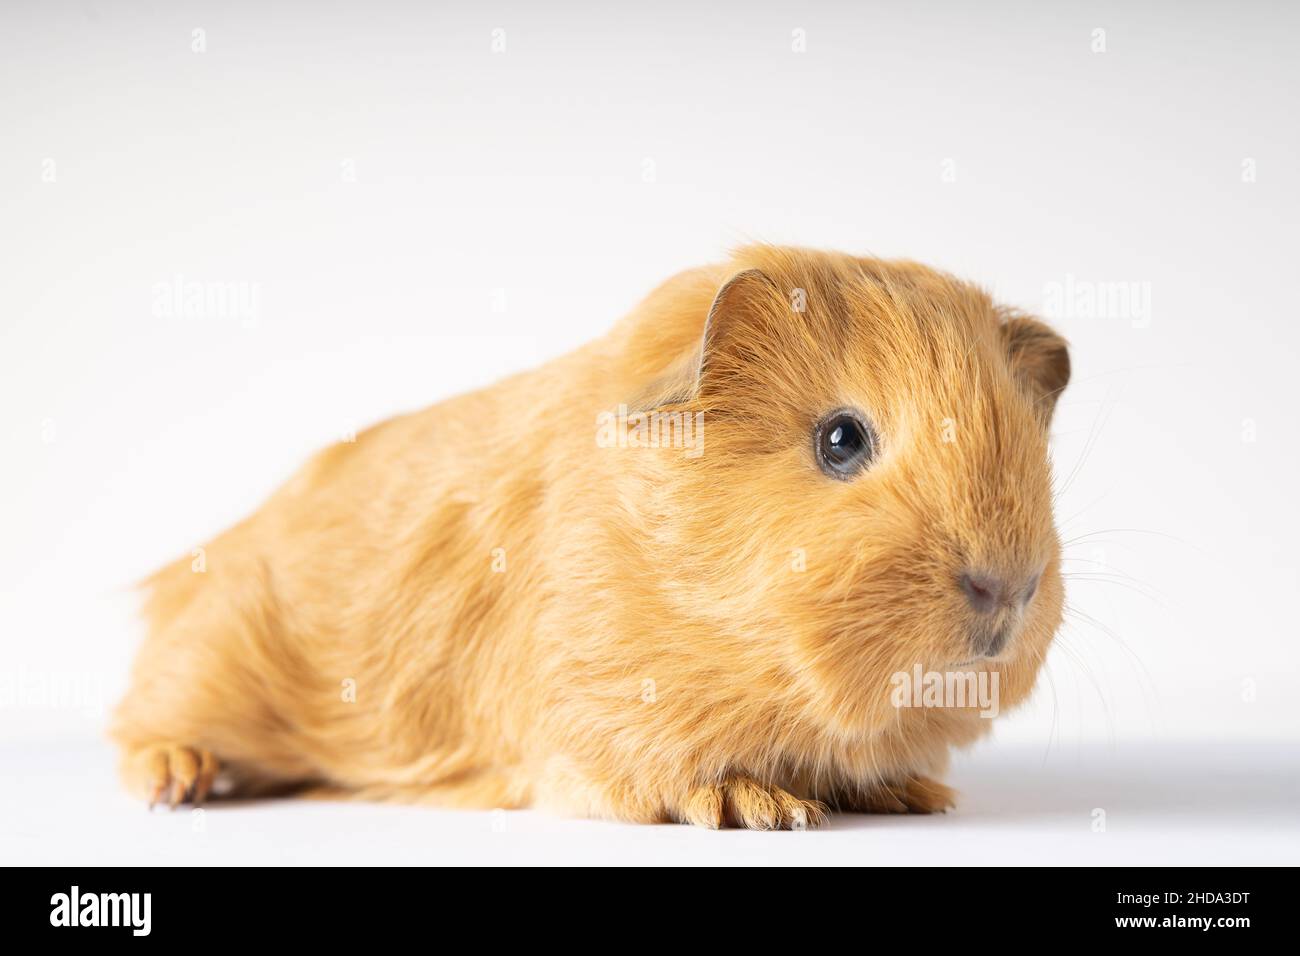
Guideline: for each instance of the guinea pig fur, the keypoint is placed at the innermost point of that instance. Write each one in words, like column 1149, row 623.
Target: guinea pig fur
column 671, row 576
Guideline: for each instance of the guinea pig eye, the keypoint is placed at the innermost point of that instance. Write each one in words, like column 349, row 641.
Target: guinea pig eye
column 844, row 444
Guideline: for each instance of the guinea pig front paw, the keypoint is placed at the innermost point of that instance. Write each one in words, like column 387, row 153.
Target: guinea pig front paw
column 744, row 802
column 912, row 795
column 173, row 771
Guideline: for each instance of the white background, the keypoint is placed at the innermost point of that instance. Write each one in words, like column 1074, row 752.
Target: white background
column 420, row 215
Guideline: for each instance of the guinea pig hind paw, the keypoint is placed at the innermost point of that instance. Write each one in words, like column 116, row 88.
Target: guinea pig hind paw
column 913, row 795
column 744, row 802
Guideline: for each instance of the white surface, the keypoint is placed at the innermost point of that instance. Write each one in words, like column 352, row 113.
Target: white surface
column 1164, row 803
column 421, row 215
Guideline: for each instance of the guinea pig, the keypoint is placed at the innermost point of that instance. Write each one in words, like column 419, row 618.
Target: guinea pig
column 675, row 575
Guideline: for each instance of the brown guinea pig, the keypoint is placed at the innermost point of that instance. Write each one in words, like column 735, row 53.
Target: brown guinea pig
column 698, row 570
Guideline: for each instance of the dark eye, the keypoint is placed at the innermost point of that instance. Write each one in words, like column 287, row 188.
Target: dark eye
column 844, row 444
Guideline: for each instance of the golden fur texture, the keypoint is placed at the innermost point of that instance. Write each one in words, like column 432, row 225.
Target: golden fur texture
column 481, row 604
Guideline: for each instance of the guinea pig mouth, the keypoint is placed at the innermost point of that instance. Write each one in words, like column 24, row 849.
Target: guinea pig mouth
column 989, row 643
column 975, row 663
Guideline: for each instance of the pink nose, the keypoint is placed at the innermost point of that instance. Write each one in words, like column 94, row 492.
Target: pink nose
column 988, row 594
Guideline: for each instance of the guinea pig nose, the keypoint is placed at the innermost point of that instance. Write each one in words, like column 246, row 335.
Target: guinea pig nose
column 985, row 592
column 988, row 593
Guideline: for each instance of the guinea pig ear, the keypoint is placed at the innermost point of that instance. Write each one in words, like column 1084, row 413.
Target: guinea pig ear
column 1040, row 359
column 734, row 327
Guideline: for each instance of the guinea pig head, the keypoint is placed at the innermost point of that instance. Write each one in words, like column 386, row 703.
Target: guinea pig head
column 875, row 490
